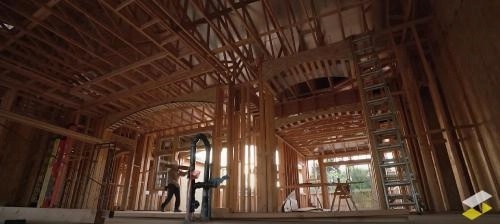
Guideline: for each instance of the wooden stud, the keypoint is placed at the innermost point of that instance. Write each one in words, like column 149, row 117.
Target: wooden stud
column 443, row 120
column 433, row 189
column 339, row 17
column 323, row 179
column 217, row 142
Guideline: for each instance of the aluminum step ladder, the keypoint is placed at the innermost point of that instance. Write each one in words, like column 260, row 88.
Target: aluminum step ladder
column 397, row 178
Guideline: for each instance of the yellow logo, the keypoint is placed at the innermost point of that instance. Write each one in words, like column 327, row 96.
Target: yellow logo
column 476, row 200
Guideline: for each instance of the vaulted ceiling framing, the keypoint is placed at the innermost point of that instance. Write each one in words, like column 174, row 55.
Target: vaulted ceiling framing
column 109, row 57
column 326, row 133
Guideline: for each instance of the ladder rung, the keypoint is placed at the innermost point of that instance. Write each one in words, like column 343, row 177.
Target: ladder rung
column 368, row 62
column 376, row 86
column 397, row 160
column 361, row 37
column 384, row 131
column 388, row 147
column 374, row 72
column 364, row 51
column 386, row 115
column 392, row 164
column 399, row 196
column 397, row 183
column 376, row 101
column 401, row 204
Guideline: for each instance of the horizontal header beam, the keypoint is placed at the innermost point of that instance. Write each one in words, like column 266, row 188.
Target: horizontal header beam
column 49, row 127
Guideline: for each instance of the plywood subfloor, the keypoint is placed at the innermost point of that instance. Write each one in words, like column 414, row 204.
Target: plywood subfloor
column 364, row 217
column 291, row 215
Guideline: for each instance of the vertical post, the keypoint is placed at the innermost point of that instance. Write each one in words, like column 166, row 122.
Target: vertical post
column 6, row 104
column 230, row 197
column 217, row 140
column 266, row 167
column 72, row 168
column 128, row 179
column 479, row 154
column 135, row 176
column 281, row 170
column 324, row 188
column 251, row 160
column 79, row 182
column 443, row 121
column 271, row 152
column 107, row 166
column 243, row 143
column 237, row 141
column 145, row 172
column 339, row 17
column 260, row 154
column 434, row 188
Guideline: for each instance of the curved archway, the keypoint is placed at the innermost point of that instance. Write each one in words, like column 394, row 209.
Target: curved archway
column 326, row 133
column 310, row 72
column 169, row 115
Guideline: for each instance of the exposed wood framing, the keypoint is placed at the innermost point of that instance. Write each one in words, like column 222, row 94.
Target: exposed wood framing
column 256, row 76
column 49, row 127
column 443, row 120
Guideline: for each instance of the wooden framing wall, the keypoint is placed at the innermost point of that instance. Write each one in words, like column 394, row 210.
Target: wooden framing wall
column 266, row 148
column 217, row 139
column 288, row 170
column 433, row 187
column 468, row 78
column 446, row 90
column 35, row 135
column 21, row 158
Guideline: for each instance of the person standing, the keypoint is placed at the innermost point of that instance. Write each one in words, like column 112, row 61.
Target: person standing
column 173, row 187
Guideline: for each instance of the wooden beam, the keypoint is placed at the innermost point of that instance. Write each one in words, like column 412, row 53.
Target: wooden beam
column 359, row 151
column 41, row 14
column 32, row 75
column 284, row 42
column 163, row 81
column 122, row 70
column 283, row 111
column 456, row 165
column 49, row 127
column 202, row 96
column 229, row 41
column 7, row 100
column 55, row 99
column 339, row 17
column 433, row 190
column 290, row 145
column 339, row 50
column 187, row 36
column 70, row 40
column 138, row 29
column 250, row 28
column 324, row 180
column 229, row 191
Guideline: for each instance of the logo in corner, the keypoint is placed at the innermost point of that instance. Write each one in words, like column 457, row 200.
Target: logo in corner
column 477, row 205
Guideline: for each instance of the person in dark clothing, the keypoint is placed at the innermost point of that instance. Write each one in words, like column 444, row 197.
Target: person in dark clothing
column 173, row 187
